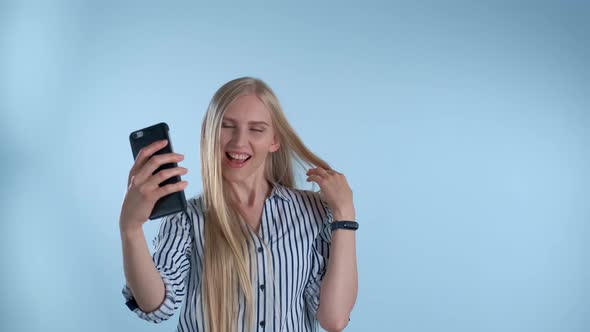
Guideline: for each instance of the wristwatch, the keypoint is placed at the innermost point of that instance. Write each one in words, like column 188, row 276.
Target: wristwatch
column 344, row 224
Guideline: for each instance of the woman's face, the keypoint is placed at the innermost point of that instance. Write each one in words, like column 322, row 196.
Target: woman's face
column 247, row 136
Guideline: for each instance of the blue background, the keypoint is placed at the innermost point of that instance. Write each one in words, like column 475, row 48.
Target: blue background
column 463, row 129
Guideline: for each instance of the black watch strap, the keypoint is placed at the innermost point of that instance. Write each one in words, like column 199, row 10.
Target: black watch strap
column 344, row 224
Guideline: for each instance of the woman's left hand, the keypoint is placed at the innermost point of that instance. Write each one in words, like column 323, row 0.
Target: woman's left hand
column 335, row 191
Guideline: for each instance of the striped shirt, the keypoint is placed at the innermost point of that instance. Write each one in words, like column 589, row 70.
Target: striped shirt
column 292, row 249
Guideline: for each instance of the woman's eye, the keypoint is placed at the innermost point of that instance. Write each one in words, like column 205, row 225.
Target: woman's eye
column 257, row 130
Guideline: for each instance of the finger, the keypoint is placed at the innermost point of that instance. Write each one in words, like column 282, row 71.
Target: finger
column 315, row 178
column 333, row 172
column 315, row 170
column 171, row 188
column 321, row 172
column 163, row 175
column 154, row 163
column 145, row 153
column 130, row 181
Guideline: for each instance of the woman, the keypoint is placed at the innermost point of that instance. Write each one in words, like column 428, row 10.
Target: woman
column 251, row 252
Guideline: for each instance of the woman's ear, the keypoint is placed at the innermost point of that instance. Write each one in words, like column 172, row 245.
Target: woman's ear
column 276, row 145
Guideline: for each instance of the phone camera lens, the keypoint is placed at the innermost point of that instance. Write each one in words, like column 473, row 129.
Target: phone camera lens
column 138, row 134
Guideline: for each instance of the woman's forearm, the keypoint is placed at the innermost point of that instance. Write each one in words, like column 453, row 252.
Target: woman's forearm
column 143, row 279
column 339, row 287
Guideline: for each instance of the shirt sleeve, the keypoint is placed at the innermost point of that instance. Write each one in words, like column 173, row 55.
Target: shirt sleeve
column 172, row 259
column 320, row 254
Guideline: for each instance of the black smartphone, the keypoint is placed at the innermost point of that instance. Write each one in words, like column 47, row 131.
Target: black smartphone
column 171, row 203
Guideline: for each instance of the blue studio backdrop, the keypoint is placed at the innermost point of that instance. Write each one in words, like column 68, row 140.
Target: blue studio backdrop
column 462, row 127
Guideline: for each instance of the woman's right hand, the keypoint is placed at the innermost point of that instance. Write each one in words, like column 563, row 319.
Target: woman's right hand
column 143, row 190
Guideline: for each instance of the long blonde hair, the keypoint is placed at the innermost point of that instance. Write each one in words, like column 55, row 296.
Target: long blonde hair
column 227, row 239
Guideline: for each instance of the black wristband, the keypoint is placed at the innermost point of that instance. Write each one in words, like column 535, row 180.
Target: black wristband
column 344, row 224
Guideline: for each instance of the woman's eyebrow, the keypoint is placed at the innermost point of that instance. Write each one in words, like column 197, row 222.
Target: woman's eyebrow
column 249, row 122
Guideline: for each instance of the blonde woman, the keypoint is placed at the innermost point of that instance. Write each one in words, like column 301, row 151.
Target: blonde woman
column 252, row 252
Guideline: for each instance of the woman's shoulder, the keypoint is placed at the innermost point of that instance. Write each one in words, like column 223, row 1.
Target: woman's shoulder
column 304, row 194
column 309, row 200
column 299, row 198
column 195, row 205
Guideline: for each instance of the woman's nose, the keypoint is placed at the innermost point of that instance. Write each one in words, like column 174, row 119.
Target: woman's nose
column 239, row 137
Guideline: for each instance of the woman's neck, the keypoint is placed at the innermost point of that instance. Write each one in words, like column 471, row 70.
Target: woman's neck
column 249, row 195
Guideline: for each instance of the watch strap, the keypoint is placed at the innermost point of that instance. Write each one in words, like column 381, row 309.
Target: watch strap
column 344, row 224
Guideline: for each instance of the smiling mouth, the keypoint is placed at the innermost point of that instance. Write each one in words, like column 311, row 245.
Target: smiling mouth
column 238, row 161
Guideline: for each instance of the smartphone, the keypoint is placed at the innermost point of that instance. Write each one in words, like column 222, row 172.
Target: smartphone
column 171, row 203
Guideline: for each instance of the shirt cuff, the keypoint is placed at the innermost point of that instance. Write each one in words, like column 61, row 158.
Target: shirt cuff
column 164, row 312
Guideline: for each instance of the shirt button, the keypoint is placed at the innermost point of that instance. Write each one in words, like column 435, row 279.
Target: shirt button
column 262, row 287
column 259, row 249
column 262, row 324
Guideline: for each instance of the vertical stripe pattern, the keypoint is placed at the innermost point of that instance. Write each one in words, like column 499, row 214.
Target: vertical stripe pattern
column 291, row 253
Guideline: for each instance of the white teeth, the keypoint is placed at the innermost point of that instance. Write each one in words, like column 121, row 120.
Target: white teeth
column 239, row 156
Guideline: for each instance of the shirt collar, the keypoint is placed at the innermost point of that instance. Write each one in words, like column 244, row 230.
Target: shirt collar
column 280, row 191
